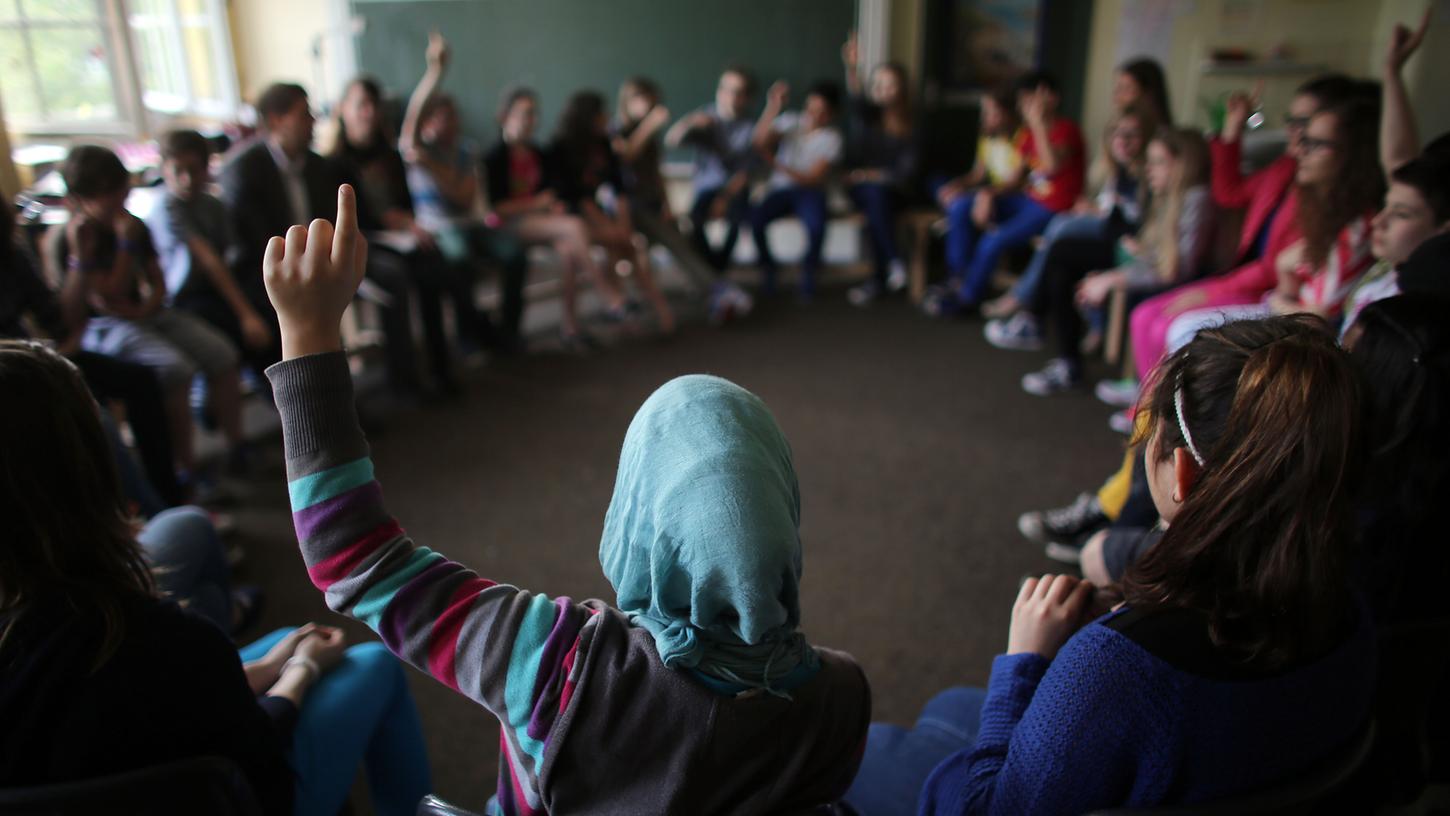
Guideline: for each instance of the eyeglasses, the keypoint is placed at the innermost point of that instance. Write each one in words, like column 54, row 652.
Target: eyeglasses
column 1296, row 122
column 1309, row 144
column 1129, row 133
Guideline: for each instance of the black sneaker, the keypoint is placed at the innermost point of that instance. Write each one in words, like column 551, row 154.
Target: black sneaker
column 1063, row 525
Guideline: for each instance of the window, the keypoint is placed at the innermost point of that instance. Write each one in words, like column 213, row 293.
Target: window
column 57, row 67
column 184, row 60
column 64, row 68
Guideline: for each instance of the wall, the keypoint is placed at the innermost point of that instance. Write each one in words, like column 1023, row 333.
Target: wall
column 1426, row 71
column 272, row 41
column 905, row 44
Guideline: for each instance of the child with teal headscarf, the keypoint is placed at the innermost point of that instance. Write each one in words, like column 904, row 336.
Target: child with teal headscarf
column 696, row 694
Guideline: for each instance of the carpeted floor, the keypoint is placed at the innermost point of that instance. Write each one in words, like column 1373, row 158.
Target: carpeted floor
column 916, row 450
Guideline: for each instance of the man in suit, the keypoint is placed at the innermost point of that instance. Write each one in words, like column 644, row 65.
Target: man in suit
column 275, row 181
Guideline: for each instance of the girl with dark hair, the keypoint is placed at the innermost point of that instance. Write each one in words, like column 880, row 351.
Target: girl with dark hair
column 882, row 152
column 443, row 176
column 589, row 181
column 1080, row 273
column 1238, row 656
column 99, row 675
column 1340, row 187
column 1141, row 82
column 635, row 134
column 365, row 152
column 521, row 191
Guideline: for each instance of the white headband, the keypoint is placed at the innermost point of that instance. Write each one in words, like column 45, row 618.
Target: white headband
column 1183, row 426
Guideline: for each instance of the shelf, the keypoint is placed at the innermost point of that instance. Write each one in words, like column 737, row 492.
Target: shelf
column 1267, row 68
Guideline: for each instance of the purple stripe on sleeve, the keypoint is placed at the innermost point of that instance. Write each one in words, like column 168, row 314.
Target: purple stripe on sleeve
column 561, row 639
column 310, row 520
column 403, row 608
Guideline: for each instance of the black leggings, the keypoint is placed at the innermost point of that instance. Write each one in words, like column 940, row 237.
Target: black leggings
column 1069, row 260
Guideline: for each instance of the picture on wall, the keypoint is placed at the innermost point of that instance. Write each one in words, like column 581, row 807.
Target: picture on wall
column 990, row 41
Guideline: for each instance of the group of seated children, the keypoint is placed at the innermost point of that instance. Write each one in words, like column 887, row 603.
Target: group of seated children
column 1274, row 513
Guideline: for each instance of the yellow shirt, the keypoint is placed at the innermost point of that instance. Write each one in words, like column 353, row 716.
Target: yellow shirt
column 1000, row 155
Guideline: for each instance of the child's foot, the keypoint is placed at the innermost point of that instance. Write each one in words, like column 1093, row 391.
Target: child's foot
column 1063, row 524
column 1017, row 333
column 1057, row 376
column 896, row 276
column 944, row 303
column 1004, row 306
column 1118, row 393
column 864, row 294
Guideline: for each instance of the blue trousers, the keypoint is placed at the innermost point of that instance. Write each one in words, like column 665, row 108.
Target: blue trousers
column 359, row 713
column 880, row 203
column 972, row 258
column 188, row 564
column 809, row 205
column 1064, row 225
column 736, row 211
column 898, row 760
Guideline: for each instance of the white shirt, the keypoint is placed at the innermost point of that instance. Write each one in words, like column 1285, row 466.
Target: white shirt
column 800, row 149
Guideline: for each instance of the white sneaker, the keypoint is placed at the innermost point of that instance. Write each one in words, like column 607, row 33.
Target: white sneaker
column 1118, row 393
column 896, row 276
column 1016, row 333
column 1054, row 378
column 863, row 295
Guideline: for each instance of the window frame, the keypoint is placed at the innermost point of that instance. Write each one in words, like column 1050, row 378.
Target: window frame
column 133, row 118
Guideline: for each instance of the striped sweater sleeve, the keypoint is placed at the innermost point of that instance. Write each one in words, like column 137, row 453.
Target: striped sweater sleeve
column 507, row 649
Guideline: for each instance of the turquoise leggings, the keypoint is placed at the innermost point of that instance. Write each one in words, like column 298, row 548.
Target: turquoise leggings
column 359, row 713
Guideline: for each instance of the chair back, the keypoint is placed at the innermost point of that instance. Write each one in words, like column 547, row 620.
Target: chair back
column 211, row 785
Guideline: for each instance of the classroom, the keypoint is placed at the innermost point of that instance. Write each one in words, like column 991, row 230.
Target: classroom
column 800, row 407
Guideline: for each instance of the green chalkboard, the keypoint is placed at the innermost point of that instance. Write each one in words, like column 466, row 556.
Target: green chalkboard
column 560, row 46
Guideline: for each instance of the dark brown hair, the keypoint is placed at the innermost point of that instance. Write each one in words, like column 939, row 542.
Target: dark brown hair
column 68, row 540
column 177, row 143
column 370, row 88
column 92, row 170
column 278, row 99
column 745, row 74
column 1358, row 188
column 1148, row 73
column 1261, row 542
column 512, row 96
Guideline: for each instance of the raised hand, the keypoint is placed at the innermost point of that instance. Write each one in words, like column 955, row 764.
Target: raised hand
column 1047, row 612
column 311, row 277
column 850, row 52
column 1404, row 43
column 1237, row 110
column 438, row 52
column 778, row 94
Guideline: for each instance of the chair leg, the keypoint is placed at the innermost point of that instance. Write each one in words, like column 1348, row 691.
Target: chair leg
column 1117, row 327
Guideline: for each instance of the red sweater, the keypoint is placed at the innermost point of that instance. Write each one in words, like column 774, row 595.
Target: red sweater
column 1259, row 192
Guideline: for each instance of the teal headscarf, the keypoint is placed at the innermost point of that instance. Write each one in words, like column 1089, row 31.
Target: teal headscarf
column 702, row 542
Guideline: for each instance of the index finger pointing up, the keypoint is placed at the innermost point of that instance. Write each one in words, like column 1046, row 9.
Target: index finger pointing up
column 345, row 237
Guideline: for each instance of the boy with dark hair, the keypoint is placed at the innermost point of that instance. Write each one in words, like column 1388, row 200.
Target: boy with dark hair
column 193, row 236
column 108, row 265
column 801, row 149
column 721, row 136
column 1048, row 182
column 276, row 181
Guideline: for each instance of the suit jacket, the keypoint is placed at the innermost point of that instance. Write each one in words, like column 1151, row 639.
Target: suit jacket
column 257, row 204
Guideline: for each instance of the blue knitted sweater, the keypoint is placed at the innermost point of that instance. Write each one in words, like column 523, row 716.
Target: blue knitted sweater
column 1109, row 724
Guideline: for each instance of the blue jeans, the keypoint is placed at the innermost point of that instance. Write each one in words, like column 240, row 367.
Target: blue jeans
column 898, row 761
column 809, row 205
column 737, row 210
column 1064, row 225
column 880, row 204
column 359, row 713
column 972, row 259
column 188, row 564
